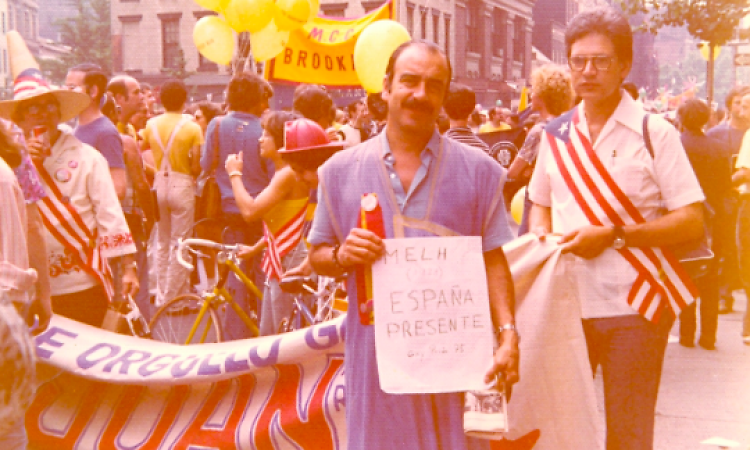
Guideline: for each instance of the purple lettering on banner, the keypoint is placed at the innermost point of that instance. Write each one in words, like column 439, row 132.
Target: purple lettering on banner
column 232, row 365
column 339, row 397
column 328, row 331
column 83, row 359
column 178, row 371
column 127, row 358
column 145, row 369
column 270, row 360
column 46, row 338
column 206, row 368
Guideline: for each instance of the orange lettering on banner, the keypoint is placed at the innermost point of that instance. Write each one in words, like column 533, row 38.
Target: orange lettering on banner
column 46, row 396
column 311, row 433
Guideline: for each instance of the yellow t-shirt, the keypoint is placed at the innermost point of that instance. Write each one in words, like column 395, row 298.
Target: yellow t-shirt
column 489, row 128
column 188, row 136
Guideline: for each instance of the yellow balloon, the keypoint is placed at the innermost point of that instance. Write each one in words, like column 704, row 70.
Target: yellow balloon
column 291, row 14
column 214, row 39
column 268, row 42
column 374, row 47
column 516, row 205
column 213, row 5
column 704, row 48
column 314, row 8
column 249, row 15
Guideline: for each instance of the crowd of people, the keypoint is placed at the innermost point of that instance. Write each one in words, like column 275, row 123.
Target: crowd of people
column 106, row 178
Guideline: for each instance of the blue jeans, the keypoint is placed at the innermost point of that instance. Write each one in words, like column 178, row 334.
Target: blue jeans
column 630, row 351
column 239, row 232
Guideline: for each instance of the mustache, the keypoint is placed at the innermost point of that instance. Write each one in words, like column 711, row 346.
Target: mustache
column 413, row 103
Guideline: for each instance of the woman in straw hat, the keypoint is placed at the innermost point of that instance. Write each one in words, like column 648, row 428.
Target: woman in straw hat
column 82, row 215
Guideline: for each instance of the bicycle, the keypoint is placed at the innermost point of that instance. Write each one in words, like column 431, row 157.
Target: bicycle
column 194, row 319
column 329, row 301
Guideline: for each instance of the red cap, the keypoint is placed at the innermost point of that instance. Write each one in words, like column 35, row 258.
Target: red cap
column 304, row 134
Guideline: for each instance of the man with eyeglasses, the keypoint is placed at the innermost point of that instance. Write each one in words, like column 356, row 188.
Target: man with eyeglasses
column 82, row 216
column 617, row 202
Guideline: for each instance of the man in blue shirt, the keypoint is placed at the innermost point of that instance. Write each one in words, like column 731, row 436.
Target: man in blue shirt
column 239, row 131
column 93, row 127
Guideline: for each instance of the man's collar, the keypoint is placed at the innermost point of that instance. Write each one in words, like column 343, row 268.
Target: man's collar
column 242, row 114
column 432, row 145
column 629, row 113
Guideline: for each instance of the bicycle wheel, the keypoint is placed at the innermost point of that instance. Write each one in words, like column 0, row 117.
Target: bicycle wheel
column 174, row 320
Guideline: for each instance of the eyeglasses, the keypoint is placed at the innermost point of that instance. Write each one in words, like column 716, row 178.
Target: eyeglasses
column 37, row 108
column 600, row 62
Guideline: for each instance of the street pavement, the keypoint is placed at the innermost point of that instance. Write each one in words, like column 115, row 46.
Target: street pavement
column 704, row 394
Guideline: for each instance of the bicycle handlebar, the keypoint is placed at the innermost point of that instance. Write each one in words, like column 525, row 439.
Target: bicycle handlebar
column 196, row 242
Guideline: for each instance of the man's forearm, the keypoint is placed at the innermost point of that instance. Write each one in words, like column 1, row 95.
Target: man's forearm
column 678, row 226
column 540, row 217
column 37, row 248
column 119, row 179
column 321, row 259
column 500, row 288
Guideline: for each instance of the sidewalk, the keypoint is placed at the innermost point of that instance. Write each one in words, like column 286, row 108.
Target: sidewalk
column 704, row 394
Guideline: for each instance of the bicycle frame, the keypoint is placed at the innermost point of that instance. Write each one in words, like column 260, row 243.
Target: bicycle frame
column 221, row 295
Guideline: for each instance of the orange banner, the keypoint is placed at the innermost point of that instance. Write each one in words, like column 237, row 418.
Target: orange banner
column 322, row 52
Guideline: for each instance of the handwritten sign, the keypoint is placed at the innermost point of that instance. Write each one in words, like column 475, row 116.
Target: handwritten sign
column 433, row 330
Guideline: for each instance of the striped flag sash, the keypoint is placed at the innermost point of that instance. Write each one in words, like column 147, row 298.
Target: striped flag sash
column 281, row 243
column 64, row 223
column 662, row 285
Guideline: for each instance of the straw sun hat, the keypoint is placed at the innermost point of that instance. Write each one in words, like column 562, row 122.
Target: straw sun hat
column 28, row 83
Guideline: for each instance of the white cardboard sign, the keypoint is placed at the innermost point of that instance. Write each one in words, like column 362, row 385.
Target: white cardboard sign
column 433, row 329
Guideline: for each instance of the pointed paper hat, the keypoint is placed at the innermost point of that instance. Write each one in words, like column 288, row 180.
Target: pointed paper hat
column 28, row 82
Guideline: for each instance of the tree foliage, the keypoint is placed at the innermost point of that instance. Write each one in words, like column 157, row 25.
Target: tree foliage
column 712, row 21
column 88, row 34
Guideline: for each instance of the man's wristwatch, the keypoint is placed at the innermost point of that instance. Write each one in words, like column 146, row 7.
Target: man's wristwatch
column 336, row 262
column 619, row 241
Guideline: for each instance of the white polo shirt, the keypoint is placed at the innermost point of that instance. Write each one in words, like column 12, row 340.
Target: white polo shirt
column 743, row 158
column 654, row 185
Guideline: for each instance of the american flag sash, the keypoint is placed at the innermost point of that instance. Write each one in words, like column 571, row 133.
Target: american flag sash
column 662, row 285
column 281, row 243
column 73, row 233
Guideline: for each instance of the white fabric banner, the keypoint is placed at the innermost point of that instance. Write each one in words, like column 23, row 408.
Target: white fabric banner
column 100, row 390
column 433, row 329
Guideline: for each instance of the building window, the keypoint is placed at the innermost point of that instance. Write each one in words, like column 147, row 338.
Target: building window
column 423, row 22
column 170, row 43
column 27, row 23
column 410, row 18
column 435, row 26
column 370, row 6
column 11, row 17
column 473, row 27
column 334, row 9
column 519, row 39
column 499, row 32
column 5, row 30
column 447, row 20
